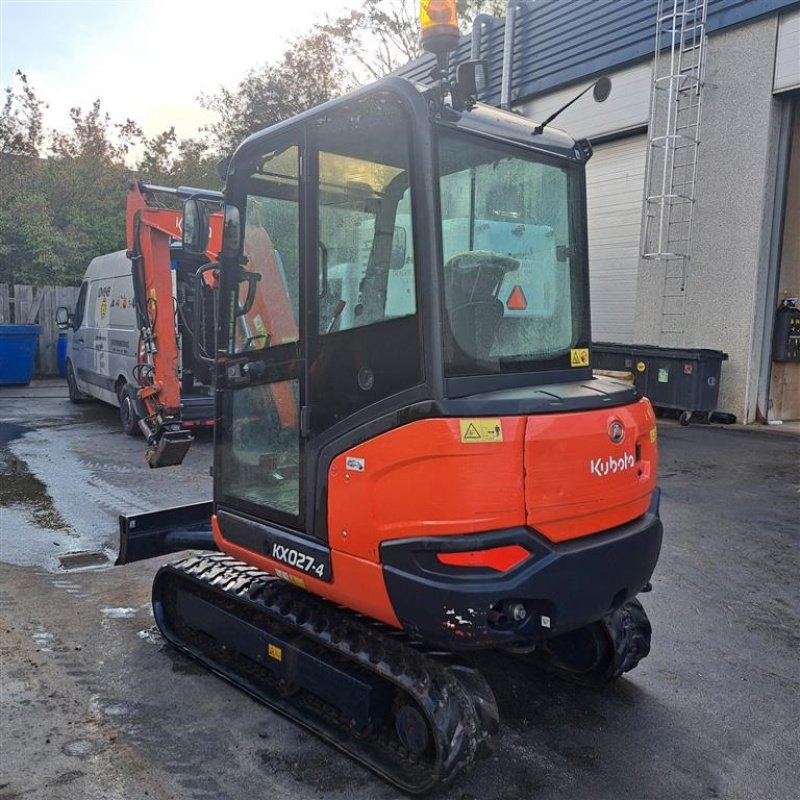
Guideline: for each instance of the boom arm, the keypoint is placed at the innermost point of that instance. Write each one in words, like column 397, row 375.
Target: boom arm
column 151, row 229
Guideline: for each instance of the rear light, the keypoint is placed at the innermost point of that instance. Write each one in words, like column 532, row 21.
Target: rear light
column 501, row 559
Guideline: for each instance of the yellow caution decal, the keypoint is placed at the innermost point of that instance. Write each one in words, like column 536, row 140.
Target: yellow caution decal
column 653, row 435
column 273, row 651
column 481, row 430
column 579, row 357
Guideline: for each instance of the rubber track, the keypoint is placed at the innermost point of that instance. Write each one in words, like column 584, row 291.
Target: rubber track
column 458, row 704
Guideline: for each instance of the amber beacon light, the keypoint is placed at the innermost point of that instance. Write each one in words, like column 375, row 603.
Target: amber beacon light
column 438, row 26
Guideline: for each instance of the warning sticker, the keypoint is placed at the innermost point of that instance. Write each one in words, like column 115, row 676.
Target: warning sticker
column 275, row 652
column 579, row 357
column 481, row 430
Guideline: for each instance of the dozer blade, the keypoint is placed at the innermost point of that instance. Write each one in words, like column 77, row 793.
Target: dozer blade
column 416, row 718
column 170, row 449
column 156, row 533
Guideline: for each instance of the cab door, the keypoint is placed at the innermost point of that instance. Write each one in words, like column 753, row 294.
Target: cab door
column 261, row 385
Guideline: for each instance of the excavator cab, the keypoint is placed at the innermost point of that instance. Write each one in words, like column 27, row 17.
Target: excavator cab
column 408, row 427
column 401, row 257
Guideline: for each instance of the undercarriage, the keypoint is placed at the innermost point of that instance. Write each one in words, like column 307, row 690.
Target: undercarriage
column 416, row 716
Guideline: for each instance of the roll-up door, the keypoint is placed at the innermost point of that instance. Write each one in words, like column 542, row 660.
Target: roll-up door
column 615, row 185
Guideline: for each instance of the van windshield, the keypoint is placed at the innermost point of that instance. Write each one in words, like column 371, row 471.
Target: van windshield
column 514, row 275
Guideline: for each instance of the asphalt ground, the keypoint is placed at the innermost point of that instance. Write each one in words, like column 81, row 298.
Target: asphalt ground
column 93, row 703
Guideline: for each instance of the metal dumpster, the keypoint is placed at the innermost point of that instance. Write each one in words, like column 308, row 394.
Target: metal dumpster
column 684, row 380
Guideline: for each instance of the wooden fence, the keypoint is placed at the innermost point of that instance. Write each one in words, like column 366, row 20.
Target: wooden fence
column 27, row 305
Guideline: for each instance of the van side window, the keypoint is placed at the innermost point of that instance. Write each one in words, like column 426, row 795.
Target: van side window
column 80, row 306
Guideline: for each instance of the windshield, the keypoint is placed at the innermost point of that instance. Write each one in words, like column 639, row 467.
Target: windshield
column 514, row 275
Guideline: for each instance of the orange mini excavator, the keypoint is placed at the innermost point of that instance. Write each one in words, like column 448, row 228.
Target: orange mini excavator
column 173, row 378
column 412, row 457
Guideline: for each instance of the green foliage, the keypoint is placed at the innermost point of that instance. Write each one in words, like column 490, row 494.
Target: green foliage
column 62, row 193
column 21, row 130
column 60, row 211
column 309, row 73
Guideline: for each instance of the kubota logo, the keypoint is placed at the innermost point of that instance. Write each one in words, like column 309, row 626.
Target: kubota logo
column 610, row 465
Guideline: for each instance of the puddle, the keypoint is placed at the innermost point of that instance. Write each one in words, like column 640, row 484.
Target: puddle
column 20, row 486
column 119, row 613
column 82, row 748
column 44, row 640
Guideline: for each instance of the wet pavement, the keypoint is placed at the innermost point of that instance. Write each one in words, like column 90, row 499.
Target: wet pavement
column 93, row 704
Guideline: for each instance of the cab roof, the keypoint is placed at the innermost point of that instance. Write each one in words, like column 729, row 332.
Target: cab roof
column 422, row 104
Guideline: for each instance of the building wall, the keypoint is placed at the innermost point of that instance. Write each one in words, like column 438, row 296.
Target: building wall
column 627, row 107
column 732, row 220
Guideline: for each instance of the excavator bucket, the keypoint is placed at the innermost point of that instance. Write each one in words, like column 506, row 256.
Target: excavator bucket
column 170, row 449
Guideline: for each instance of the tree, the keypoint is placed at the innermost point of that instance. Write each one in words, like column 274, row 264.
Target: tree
column 380, row 36
column 469, row 9
column 309, row 72
column 383, row 35
column 21, row 131
column 170, row 162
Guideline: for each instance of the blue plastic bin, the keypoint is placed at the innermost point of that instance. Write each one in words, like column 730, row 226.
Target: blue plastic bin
column 17, row 351
column 61, row 355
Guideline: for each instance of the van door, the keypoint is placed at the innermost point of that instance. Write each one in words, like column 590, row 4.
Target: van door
column 78, row 343
column 123, row 335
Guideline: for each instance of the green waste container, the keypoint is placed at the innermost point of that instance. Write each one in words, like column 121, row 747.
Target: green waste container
column 17, row 351
column 681, row 379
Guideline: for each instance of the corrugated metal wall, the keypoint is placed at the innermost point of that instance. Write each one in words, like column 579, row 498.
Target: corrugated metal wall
column 559, row 41
column 614, row 193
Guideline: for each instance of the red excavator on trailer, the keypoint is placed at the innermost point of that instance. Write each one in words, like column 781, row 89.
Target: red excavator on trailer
column 413, row 459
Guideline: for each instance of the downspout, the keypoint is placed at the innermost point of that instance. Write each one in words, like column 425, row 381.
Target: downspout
column 477, row 35
column 774, row 261
column 508, row 55
column 476, row 43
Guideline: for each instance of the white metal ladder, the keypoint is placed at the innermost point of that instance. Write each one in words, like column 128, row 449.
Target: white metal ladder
column 674, row 141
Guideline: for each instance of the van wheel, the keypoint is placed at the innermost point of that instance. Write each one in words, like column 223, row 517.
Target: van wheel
column 127, row 412
column 75, row 394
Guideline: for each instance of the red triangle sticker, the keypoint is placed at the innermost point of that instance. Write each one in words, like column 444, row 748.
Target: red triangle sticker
column 517, row 300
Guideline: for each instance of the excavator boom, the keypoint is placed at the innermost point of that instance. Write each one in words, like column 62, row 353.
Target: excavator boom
column 159, row 265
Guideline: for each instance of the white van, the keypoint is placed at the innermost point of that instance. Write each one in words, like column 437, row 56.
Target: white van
column 103, row 342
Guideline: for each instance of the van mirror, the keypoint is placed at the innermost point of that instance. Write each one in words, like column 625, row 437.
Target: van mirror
column 232, row 232
column 195, row 227
column 63, row 318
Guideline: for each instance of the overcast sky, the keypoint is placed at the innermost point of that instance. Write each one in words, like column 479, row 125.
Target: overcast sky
column 145, row 59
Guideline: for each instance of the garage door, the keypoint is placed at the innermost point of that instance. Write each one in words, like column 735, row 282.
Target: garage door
column 615, row 185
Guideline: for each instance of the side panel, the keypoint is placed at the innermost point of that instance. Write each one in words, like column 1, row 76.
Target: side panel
column 432, row 477
column 357, row 583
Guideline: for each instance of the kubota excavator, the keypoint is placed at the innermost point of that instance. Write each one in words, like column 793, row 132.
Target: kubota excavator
column 412, row 457
column 168, row 311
